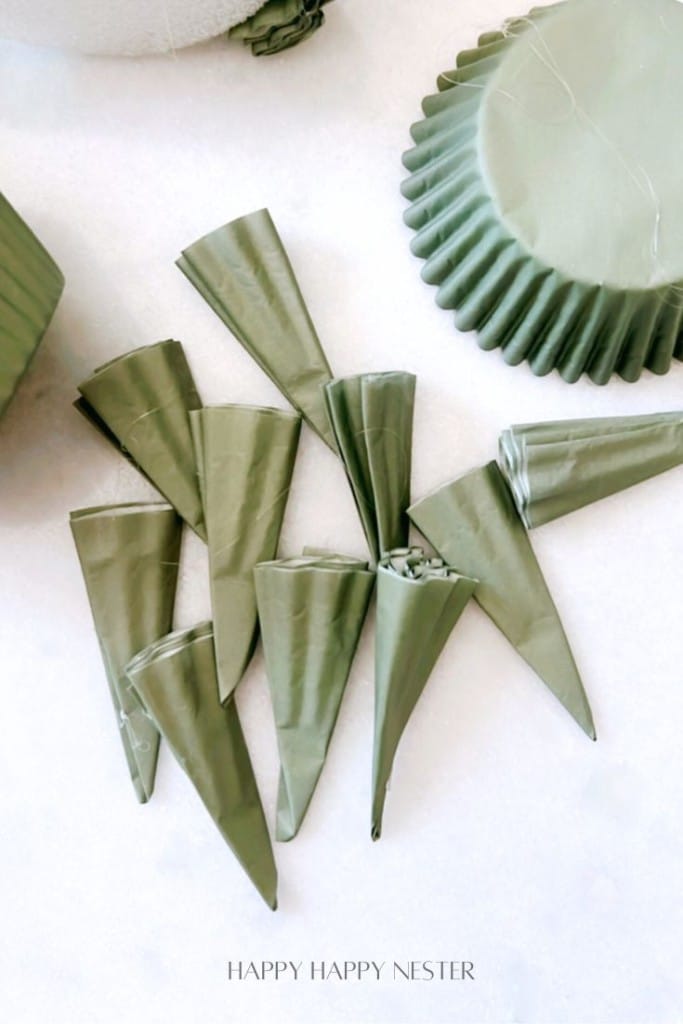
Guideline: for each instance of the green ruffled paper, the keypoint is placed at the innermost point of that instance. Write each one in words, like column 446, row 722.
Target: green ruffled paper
column 280, row 24
column 129, row 556
column 175, row 679
column 419, row 601
column 244, row 273
column 245, row 457
column 372, row 419
column 144, row 398
column 558, row 467
column 31, row 284
column 311, row 611
column 473, row 524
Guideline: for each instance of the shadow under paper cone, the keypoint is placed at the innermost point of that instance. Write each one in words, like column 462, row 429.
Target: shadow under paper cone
column 175, row 679
column 473, row 524
column 245, row 456
column 242, row 270
column 129, row 557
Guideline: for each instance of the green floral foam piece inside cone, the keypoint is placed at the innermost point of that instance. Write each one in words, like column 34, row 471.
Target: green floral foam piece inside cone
column 311, row 610
column 175, row 679
column 555, row 468
column 144, row 399
column 419, row 601
column 244, row 273
column 474, row 525
column 372, row 419
column 245, row 457
column 129, row 557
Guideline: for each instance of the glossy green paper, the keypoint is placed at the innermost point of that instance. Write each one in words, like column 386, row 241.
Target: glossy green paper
column 558, row 467
column 31, row 284
column 372, row 419
column 245, row 457
column 311, row 611
column 280, row 24
column 419, row 601
column 144, row 398
column 473, row 524
column 244, row 273
column 175, row 679
column 129, row 556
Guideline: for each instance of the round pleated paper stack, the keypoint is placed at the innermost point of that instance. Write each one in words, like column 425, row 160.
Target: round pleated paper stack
column 545, row 189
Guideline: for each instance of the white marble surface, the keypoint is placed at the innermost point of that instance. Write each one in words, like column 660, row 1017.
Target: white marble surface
column 510, row 840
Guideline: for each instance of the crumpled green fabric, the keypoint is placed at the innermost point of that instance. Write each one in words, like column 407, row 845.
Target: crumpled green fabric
column 144, row 398
column 280, row 24
column 473, row 523
column 558, row 467
column 175, row 679
column 242, row 270
column 129, row 557
column 245, row 458
column 372, row 418
column 311, row 611
column 31, row 285
column 419, row 601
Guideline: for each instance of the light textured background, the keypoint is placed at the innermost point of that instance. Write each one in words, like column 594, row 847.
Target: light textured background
column 510, row 840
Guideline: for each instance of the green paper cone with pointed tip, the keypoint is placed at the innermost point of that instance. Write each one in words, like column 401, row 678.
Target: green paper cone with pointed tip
column 419, row 601
column 280, row 24
column 245, row 456
column 372, row 419
column 558, row 467
column 144, row 398
column 129, row 556
column 311, row 611
column 31, row 284
column 175, row 679
column 244, row 273
column 473, row 524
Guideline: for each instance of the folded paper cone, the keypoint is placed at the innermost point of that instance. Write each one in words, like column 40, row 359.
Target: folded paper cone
column 176, row 681
column 372, row 419
column 311, row 611
column 280, row 24
column 31, row 284
column 473, row 524
column 129, row 556
column 558, row 467
column 419, row 601
column 145, row 398
column 245, row 456
column 244, row 273
column 562, row 120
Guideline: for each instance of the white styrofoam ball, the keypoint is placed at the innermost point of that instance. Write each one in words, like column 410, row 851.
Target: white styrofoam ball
column 125, row 27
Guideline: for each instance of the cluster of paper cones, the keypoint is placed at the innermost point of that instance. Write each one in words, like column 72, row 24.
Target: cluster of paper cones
column 226, row 471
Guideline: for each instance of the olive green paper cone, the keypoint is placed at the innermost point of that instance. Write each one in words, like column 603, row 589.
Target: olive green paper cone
column 144, row 398
column 419, row 601
column 31, row 284
column 129, row 556
column 280, row 24
column 176, row 681
column 473, row 524
column 311, row 611
column 245, row 457
column 555, row 468
column 372, row 419
column 244, row 273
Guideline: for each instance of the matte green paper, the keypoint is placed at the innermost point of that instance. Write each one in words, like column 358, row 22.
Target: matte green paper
column 419, row 601
column 558, row 467
column 144, row 398
column 372, row 419
column 129, row 556
column 244, row 273
column 245, row 457
column 311, row 611
column 31, row 284
column 280, row 24
column 473, row 524
column 175, row 679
